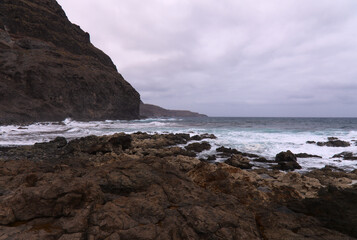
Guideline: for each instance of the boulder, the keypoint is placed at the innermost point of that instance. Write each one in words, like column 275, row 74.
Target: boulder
column 239, row 161
column 287, row 156
column 198, row 146
column 287, row 161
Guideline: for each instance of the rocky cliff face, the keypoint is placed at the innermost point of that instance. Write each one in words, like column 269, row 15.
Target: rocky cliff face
column 149, row 110
column 49, row 70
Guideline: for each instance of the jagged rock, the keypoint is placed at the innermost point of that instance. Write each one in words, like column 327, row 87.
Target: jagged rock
column 203, row 136
column 306, row 155
column 345, row 156
column 124, row 194
column 335, row 208
column 198, row 146
column 287, row 161
column 49, row 70
column 288, row 166
column 227, row 150
column 334, row 142
column 332, row 176
column 287, row 156
column 211, row 158
column 93, row 144
column 239, row 161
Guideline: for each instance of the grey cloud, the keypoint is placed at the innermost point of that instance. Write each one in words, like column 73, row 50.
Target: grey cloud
column 237, row 58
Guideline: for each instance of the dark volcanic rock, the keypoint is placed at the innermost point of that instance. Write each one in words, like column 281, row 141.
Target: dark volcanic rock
column 335, row 209
column 332, row 138
column 49, row 70
column 287, row 161
column 107, row 188
column 306, row 155
column 310, row 142
column 203, row 136
column 334, row 143
column 287, row 156
column 198, row 147
column 288, row 166
column 262, row 160
column 346, row 156
column 239, row 161
column 227, row 150
column 211, row 158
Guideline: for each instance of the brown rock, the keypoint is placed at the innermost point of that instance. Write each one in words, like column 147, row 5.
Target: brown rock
column 203, row 136
column 306, row 155
column 334, row 142
column 346, row 156
column 198, row 147
column 164, row 195
column 239, row 161
column 287, row 161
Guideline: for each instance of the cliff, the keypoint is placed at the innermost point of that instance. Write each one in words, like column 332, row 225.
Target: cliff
column 49, row 70
column 149, row 110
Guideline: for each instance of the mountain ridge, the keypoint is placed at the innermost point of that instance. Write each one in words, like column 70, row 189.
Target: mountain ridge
column 150, row 110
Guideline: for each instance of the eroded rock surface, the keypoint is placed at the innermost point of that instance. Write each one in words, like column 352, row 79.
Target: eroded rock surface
column 143, row 186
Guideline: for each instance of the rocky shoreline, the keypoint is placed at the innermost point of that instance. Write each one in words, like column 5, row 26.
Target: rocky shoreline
column 143, row 186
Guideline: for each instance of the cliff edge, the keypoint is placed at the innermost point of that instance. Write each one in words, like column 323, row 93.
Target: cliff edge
column 49, row 70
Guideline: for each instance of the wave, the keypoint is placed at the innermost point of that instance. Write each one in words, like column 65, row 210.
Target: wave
column 264, row 139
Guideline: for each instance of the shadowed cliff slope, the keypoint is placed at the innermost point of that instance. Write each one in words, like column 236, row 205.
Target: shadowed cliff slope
column 49, row 70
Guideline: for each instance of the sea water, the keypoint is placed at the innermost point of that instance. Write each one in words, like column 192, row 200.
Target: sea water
column 263, row 136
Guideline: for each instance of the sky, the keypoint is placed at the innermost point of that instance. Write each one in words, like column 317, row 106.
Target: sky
column 242, row 58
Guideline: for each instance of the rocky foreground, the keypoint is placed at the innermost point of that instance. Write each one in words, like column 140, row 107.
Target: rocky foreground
column 143, row 186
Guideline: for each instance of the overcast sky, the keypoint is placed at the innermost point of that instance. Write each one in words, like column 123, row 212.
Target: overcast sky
column 231, row 57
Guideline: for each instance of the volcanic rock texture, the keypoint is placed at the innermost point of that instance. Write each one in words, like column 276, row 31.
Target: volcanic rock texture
column 49, row 70
column 143, row 186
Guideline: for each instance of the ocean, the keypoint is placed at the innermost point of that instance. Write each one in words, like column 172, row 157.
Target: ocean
column 263, row 136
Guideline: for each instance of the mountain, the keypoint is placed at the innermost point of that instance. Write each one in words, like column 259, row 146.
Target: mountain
column 49, row 70
column 149, row 110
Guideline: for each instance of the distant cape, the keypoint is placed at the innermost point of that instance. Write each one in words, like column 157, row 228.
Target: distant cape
column 149, row 110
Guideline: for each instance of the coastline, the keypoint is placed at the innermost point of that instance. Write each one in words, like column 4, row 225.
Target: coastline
column 142, row 186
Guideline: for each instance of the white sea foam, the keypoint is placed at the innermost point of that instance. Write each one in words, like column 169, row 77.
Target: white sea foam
column 246, row 138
